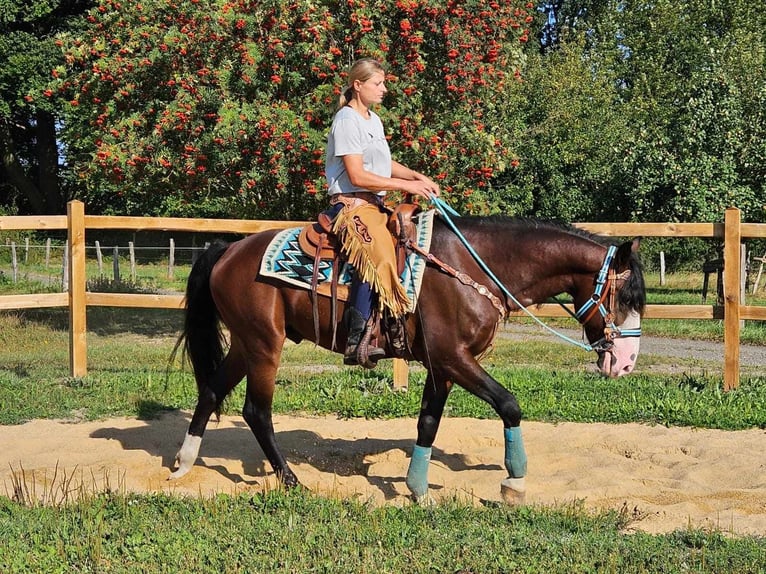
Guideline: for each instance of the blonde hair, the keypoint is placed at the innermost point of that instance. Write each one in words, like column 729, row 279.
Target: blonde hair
column 361, row 70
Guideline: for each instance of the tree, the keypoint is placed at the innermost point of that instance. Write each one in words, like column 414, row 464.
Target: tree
column 570, row 158
column 646, row 111
column 693, row 81
column 564, row 17
column 29, row 155
column 222, row 110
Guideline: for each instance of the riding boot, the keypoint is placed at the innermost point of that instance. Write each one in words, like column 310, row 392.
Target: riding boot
column 356, row 325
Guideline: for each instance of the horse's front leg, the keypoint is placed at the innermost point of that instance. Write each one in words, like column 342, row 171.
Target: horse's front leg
column 476, row 380
column 435, row 395
column 471, row 376
column 211, row 395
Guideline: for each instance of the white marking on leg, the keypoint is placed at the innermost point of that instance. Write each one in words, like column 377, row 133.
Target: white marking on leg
column 186, row 456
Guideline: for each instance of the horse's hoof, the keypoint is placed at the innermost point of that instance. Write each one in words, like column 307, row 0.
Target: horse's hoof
column 423, row 500
column 186, row 456
column 180, row 468
column 513, row 491
column 289, row 480
column 179, row 473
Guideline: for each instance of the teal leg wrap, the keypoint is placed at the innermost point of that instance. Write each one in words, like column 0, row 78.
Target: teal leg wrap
column 417, row 475
column 515, row 455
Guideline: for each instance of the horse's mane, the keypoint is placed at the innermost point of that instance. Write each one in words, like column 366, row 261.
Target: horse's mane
column 525, row 223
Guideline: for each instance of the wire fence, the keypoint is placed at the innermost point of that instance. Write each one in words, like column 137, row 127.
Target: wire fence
column 48, row 263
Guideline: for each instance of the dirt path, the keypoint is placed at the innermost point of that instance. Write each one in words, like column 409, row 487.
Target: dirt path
column 665, row 478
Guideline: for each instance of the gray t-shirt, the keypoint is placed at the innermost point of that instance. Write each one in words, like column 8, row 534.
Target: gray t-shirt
column 352, row 134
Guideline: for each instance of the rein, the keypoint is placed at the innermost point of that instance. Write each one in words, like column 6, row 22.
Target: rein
column 605, row 285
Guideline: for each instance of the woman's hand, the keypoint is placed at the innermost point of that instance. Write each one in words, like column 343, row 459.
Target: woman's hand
column 422, row 186
column 415, row 182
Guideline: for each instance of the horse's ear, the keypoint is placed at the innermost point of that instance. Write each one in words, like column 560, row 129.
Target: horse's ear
column 625, row 250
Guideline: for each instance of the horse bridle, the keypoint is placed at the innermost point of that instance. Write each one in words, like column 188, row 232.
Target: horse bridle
column 606, row 285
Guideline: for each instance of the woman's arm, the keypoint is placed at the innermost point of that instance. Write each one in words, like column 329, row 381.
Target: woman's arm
column 402, row 178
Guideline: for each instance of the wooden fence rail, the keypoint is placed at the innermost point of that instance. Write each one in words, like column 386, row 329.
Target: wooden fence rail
column 732, row 231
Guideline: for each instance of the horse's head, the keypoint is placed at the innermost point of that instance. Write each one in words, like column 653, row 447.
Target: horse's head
column 611, row 316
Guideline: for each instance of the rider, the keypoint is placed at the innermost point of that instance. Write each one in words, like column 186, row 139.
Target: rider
column 359, row 171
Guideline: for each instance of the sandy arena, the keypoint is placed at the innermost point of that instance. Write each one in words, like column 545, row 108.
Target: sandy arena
column 665, row 478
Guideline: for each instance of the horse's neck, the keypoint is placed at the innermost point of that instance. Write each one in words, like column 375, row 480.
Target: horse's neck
column 534, row 264
column 544, row 267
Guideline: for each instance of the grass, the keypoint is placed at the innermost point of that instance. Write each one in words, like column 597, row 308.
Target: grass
column 129, row 375
column 298, row 532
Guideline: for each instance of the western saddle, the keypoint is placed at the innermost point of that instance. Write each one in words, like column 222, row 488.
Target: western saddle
column 318, row 241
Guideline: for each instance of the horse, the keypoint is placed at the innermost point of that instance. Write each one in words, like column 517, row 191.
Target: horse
column 452, row 325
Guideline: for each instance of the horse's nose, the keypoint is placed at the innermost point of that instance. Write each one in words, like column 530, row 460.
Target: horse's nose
column 626, row 369
column 609, row 365
column 622, row 367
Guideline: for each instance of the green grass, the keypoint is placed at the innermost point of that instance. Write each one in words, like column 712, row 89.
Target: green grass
column 130, row 375
column 298, row 532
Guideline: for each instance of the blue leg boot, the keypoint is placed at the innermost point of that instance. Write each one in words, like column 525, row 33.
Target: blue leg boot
column 513, row 489
column 417, row 475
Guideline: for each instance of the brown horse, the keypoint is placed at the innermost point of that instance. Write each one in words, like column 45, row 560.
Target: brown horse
column 454, row 322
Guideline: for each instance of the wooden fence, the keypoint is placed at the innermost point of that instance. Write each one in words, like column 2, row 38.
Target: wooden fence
column 732, row 231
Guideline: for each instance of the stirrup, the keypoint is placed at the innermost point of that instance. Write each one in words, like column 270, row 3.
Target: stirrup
column 354, row 355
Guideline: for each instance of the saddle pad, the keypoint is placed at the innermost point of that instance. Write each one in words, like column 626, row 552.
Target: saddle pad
column 285, row 261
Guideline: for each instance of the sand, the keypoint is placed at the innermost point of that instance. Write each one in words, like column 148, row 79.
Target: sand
column 664, row 478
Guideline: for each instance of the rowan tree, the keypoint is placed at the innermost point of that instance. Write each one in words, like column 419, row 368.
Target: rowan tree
column 222, row 108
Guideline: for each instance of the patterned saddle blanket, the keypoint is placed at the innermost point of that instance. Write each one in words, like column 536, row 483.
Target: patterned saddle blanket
column 284, row 260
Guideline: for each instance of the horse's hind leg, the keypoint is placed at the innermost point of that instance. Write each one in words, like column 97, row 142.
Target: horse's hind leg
column 228, row 376
column 261, row 381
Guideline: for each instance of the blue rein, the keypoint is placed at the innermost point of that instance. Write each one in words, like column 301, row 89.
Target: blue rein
column 611, row 331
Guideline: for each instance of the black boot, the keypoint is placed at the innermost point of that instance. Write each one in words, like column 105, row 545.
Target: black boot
column 396, row 334
column 358, row 351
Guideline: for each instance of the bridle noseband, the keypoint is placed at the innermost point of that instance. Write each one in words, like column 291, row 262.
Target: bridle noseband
column 606, row 284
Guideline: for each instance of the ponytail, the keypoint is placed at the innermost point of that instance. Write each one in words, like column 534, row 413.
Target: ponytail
column 345, row 97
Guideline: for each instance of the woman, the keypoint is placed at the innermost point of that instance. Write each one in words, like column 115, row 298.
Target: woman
column 359, row 172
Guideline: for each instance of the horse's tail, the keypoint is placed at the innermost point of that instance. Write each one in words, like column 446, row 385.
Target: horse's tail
column 202, row 339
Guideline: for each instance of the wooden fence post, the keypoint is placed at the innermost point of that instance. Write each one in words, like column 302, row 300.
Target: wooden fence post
column 171, row 258
column 760, row 272
column 65, row 268
column 47, row 252
column 99, row 258
column 132, row 251
column 731, row 296
column 14, row 263
column 78, row 349
column 401, row 375
column 116, row 263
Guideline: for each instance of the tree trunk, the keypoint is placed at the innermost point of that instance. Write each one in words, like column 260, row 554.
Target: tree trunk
column 44, row 195
column 48, row 163
column 15, row 172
